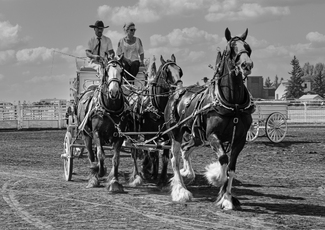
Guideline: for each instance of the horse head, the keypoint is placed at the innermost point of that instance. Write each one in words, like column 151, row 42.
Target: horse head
column 112, row 78
column 167, row 78
column 239, row 52
column 170, row 72
column 235, row 65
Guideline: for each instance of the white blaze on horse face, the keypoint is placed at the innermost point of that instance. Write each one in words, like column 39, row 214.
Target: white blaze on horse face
column 244, row 62
column 114, row 72
column 175, row 73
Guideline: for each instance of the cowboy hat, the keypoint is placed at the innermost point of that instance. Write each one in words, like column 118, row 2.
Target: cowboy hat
column 99, row 25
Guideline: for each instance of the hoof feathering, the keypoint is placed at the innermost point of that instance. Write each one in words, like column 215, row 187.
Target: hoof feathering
column 228, row 202
column 93, row 182
column 216, row 174
column 115, row 187
column 134, row 182
column 179, row 193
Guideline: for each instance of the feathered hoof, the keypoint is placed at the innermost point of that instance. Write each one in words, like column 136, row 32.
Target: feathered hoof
column 93, row 182
column 216, row 174
column 135, row 181
column 228, row 202
column 115, row 187
column 179, row 193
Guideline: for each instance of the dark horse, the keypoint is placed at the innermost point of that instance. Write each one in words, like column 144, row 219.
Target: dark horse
column 218, row 115
column 148, row 110
column 102, row 114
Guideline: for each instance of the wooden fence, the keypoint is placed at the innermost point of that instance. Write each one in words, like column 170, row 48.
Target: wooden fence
column 53, row 116
column 23, row 116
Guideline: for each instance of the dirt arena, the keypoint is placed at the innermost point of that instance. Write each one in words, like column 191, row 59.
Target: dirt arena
column 280, row 186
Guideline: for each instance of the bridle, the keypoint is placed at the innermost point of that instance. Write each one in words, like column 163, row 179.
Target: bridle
column 163, row 69
column 106, row 82
column 112, row 63
column 231, row 64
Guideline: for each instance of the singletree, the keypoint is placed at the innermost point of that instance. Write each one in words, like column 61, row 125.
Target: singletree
column 295, row 88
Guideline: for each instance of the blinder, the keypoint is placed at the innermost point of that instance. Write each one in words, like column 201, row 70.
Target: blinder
column 247, row 49
column 164, row 68
column 113, row 63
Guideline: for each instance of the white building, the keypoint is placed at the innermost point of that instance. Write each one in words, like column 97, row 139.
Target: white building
column 281, row 90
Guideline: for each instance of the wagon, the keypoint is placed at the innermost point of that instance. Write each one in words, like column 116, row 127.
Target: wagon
column 73, row 144
column 270, row 117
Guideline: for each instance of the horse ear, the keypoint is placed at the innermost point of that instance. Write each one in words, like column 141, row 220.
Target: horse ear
column 244, row 35
column 227, row 34
column 173, row 58
column 162, row 60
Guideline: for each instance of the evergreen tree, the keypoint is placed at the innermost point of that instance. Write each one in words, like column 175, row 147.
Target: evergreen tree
column 268, row 83
column 318, row 84
column 295, row 88
column 276, row 82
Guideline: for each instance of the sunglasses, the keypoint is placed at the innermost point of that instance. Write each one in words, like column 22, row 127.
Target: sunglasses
column 132, row 30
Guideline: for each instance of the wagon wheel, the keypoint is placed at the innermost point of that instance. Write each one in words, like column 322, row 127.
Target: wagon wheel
column 68, row 160
column 276, row 127
column 253, row 131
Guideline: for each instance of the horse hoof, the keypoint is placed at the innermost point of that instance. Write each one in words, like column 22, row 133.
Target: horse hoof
column 115, row 187
column 93, row 183
column 135, row 181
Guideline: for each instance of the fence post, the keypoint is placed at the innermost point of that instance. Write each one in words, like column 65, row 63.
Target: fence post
column 19, row 116
column 60, row 115
column 305, row 111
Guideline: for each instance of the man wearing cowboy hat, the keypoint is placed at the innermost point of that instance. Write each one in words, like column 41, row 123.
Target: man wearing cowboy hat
column 99, row 46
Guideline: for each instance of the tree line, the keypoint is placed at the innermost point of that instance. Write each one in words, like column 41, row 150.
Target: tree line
column 298, row 75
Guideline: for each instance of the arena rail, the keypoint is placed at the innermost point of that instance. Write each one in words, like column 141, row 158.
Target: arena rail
column 24, row 116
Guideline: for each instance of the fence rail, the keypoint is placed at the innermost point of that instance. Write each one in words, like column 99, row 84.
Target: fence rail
column 53, row 116
column 32, row 116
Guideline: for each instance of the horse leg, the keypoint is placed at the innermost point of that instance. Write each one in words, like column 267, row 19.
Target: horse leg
column 163, row 175
column 179, row 192
column 187, row 173
column 113, row 184
column 135, row 179
column 146, row 165
column 100, row 155
column 225, row 199
column 216, row 173
column 93, row 177
column 154, row 157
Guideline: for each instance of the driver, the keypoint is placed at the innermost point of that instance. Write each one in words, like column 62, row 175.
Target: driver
column 99, row 46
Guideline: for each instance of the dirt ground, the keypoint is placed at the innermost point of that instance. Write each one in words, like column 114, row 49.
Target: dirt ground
column 280, row 186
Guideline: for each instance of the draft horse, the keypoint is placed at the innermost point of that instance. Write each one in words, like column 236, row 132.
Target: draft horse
column 218, row 115
column 148, row 111
column 102, row 114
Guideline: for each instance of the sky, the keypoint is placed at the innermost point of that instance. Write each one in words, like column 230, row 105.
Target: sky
column 39, row 39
